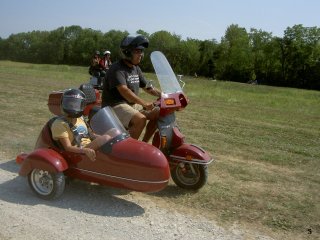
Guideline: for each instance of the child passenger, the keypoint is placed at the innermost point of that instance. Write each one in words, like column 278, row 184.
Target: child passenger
column 72, row 131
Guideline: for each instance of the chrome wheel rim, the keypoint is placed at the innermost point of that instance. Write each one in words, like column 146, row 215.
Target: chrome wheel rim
column 42, row 181
column 186, row 176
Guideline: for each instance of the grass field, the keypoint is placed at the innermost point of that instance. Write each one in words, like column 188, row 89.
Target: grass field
column 265, row 141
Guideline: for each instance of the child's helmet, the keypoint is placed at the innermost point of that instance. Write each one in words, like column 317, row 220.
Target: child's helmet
column 73, row 102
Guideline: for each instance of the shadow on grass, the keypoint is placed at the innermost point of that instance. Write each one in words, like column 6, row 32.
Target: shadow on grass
column 173, row 191
column 78, row 195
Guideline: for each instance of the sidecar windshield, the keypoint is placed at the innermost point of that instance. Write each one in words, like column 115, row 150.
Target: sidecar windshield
column 167, row 78
column 105, row 121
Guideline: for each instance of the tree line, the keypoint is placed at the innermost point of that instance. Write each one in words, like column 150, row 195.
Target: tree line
column 241, row 56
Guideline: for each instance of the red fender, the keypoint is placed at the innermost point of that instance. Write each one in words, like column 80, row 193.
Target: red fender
column 42, row 158
column 191, row 153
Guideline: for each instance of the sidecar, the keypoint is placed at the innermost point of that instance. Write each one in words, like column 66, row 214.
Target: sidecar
column 122, row 162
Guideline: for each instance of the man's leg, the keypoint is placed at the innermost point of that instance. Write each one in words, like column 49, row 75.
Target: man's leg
column 136, row 125
column 152, row 116
column 131, row 119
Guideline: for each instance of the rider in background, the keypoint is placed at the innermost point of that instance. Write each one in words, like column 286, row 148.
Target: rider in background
column 71, row 130
column 105, row 62
column 121, row 89
column 95, row 68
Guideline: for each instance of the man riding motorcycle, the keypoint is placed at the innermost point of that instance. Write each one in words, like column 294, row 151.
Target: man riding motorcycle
column 121, row 89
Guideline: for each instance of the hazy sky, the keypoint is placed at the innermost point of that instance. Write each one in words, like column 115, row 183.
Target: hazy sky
column 199, row 19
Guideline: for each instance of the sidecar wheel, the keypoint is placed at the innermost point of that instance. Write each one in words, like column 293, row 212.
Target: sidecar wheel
column 46, row 185
column 186, row 178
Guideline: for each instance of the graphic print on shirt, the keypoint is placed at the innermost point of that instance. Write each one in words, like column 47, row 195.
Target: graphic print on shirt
column 82, row 130
column 133, row 79
column 133, row 82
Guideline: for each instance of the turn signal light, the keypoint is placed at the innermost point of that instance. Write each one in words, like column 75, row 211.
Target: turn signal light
column 163, row 141
column 169, row 101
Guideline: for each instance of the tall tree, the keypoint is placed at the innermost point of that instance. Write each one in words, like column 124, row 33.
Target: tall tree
column 71, row 34
column 111, row 41
column 208, row 50
column 167, row 43
column 301, row 52
column 54, row 43
column 235, row 61
column 86, row 44
column 189, row 57
column 2, row 49
column 265, row 55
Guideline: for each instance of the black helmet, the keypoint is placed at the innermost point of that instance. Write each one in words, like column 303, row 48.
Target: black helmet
column 73, row 103
column 129, row 43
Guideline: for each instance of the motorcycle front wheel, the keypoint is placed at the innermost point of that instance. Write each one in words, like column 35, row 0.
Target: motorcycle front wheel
column 46, row 185
column 190, row 176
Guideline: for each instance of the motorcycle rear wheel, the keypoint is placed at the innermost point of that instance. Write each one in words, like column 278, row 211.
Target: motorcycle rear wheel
column 184, row 177
column 46, row 185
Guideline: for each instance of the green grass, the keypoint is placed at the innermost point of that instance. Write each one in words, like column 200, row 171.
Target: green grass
column 265, row 141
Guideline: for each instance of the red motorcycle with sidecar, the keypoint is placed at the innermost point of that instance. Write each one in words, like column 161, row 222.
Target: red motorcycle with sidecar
column 122, row 162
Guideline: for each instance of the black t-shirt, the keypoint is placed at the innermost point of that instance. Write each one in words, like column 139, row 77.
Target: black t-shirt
column 121, row 74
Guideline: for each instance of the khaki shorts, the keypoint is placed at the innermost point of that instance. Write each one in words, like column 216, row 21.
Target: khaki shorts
column 125, row 112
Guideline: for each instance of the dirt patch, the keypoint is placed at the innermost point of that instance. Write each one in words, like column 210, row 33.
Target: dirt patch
column 90, row 211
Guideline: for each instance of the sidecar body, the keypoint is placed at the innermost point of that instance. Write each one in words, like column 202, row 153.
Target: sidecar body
column 122, row 162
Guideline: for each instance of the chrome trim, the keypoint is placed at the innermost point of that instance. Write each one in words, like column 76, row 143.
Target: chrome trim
column 122, row 178
column 200, row 148
column 195, row 161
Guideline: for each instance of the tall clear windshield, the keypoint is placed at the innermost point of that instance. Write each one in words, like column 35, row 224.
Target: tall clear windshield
column 167, row 79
